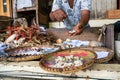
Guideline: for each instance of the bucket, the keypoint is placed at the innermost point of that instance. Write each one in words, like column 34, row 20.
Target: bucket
column 117, row 50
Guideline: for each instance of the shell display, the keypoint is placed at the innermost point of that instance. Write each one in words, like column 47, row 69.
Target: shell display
column 28, row 53
column 10, row 39
column 65, row 61
column 95, row 44
column 25, row 51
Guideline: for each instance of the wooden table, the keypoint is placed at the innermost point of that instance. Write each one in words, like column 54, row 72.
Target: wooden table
column 31, row 69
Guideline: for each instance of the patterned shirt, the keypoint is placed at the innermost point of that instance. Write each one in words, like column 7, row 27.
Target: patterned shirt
column 72, row 13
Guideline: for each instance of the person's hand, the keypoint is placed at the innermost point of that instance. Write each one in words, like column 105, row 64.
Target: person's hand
column 52, row 17
column 77, row 30
column 58, row 15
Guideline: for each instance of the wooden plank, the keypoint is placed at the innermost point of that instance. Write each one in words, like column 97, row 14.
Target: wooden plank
column 14, row 9
column 8, row 5
column 114, row 4
column 108, row 4
column 101, row 22
column 103, row 9
column 118, row 4
column 93, row 11
column 100, row 7
column 93, row 23
column 0, row 8
column 113, row 14
column 9, row 11
column 24, row 69
column 26, row 9
column 108, row 7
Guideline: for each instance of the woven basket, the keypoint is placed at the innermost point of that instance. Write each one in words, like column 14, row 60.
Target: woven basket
column 24, row 58
column 14, row 56
column 2, row 58
column 101, row 60
column 47, row 58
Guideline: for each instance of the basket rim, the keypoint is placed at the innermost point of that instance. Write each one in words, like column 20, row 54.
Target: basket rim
column 105, row 59
column 23, row 57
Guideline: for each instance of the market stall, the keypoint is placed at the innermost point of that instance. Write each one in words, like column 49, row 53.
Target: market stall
column 33, row 52
column 31, row 70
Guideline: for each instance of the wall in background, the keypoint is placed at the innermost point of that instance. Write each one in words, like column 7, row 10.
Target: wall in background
column 100, row 8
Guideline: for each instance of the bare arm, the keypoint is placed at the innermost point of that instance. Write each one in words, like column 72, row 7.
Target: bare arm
column 85, row 16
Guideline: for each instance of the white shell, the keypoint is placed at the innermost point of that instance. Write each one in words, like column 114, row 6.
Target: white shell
column 78, row 63
column 73, row 31
column 19, row 41
column 10, row 39
column 68, row 40
column 95, row 44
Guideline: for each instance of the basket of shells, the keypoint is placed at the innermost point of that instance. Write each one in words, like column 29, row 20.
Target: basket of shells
column 103, row 54
column 68, row 60
column 28, row 53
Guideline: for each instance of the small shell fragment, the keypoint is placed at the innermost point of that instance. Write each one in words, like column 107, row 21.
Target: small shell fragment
column 68, row 40
column 72, row 31
column 59, row 41
column 10, row 39
column 95, row 44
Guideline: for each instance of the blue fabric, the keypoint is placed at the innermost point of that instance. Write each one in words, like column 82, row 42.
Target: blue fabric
column 76, row 43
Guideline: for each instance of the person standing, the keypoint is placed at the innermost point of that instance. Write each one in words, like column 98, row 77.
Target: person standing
column 75, row 14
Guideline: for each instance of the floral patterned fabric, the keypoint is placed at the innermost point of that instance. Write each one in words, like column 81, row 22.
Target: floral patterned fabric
column 73, row 13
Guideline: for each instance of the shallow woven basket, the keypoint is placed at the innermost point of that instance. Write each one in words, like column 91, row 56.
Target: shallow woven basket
column 2, row 58
column 66, row 69
column 13, row 56
column 24, row 58
column 101, row 60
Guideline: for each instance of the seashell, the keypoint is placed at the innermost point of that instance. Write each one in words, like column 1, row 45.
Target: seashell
column 19, row 41
column 73, row 31
column 10, row 39
column 59, row 41
column 95, row 44
column 68, row 40
column 78, row 63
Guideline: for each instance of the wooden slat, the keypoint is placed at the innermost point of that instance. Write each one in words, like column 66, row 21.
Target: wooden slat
column 93, row 23
column 114, row 4
column 100, row 7
column 93, row 11
column 8, row 13
column 108, row 4
column 103, row 8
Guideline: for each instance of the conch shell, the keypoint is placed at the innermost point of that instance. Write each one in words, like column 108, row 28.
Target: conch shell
column 95, row 44
column 10, row 39
column 59, row 41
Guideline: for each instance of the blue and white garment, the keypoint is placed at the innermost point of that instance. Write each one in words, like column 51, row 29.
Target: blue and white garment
column 73, row 13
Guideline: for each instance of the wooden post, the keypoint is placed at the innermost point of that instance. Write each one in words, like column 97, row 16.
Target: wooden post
column 14, row 2
column 118, row 4
column 37, row 16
